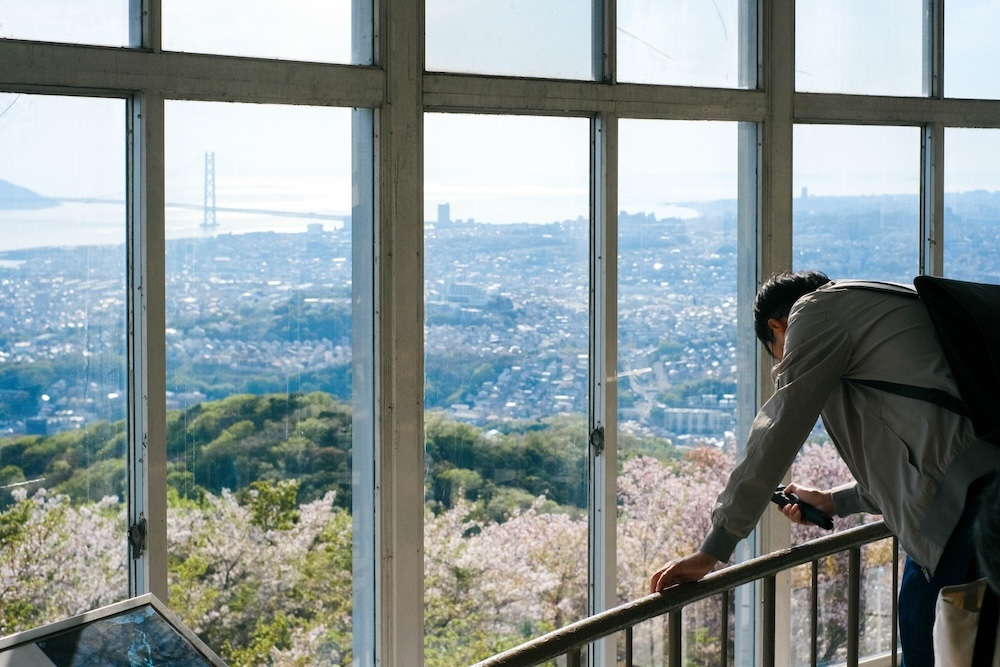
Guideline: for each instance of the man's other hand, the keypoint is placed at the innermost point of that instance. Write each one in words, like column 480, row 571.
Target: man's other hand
column 681, row 570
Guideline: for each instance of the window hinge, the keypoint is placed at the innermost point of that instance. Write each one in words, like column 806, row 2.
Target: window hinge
column 137, row 538
column 597, row 440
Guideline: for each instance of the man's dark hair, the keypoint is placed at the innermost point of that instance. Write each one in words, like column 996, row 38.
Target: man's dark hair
column 776, row 296
column 986, row 533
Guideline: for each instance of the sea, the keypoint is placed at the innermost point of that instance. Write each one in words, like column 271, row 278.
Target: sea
column 77, row 223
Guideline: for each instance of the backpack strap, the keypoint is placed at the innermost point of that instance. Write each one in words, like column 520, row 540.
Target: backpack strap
column 935, row 396
column 986, row 633
column 900, row 289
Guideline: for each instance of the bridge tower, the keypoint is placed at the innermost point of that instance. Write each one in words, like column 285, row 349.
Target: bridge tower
column 209, row 220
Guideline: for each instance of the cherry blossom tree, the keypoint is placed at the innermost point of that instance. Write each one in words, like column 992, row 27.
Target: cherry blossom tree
column 665, row 511
column 266, row 580
column 58, row 560
column 254, row 579
column 490, row 585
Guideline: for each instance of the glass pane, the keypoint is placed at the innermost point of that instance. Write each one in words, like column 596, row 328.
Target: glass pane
column 868, row 47
column 506, row 247
column 63, row 377
column 972, row 205
column 877, row 595
column 312, row 30
column 971, row 49
column 683, row 42
column 677, row 248
column 100, row 22
column 876, row 598
column 856, row 213
column 513, row 37
column 818, row 464
column 259, row 379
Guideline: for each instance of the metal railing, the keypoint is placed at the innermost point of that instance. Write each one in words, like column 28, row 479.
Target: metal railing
column 572, row 640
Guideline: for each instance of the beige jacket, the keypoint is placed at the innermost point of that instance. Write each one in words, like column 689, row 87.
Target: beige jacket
column 912, row 460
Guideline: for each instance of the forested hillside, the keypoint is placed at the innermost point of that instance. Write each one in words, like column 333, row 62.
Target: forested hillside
column 261, row 553
column 233, row 442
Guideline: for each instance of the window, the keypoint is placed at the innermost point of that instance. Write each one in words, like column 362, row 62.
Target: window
column 100, row 22
column 970, row 50
column 506, row 320
column 856, row 207
column 684, row 42
column 678, row 371
column 868, row 48
column 300, row 30
column 262, row 485
column 972, row 205
column 63, row 376
column 512, row 37
column 329, row 244
column 856, row 215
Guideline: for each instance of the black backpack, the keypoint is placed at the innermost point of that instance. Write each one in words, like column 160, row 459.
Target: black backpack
column 966, row 319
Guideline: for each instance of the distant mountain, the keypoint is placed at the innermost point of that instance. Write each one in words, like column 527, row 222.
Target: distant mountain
column 15, row 197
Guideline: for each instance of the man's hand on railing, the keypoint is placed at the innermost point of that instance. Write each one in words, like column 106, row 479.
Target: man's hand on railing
column 681, row 570
column 821, row 500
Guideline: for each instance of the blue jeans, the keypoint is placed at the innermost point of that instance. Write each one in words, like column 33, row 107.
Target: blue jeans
column 918, row 595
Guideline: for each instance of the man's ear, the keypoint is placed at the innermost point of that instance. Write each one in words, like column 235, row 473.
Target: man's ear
column 778, row 325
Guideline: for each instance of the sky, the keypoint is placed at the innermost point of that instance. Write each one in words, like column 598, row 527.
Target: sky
column 493, row 168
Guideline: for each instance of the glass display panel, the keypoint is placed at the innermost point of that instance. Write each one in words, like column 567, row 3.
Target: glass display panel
column 311, row 30
column 506, row 380
column 97, row 22
column 510, row 37
column 677, row 356
column 683, row 42
column 138, row 631
column 971, row 49
column 866, row 47
column 971, row 205
column 259, row 381
column 856, row 207
column 63, row 374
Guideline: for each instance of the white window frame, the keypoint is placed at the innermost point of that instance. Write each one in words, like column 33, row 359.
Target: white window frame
column 400, row 92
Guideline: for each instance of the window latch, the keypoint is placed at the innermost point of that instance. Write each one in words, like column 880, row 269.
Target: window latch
column 597, row 440
column 137, row 538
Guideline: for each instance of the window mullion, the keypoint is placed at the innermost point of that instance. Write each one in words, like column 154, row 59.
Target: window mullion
column 933, row 49
column 605, row 43
column 932, row 146
column 147, row 359
column 775, row 254
column 932, row 200
column 602, row 456
column 399, row 319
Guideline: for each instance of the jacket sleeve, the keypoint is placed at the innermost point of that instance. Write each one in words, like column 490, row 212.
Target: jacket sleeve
column 817, row 350
column 850, row 499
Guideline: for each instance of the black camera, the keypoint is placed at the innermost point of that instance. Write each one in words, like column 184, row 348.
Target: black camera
column 809, row 513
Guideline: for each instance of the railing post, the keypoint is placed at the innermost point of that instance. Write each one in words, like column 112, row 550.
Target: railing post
column 853, row 605
column 768, row 622
column 814, row 616
column 766, row 569
column 674, row 632
column 895, row 600
column 724, row 632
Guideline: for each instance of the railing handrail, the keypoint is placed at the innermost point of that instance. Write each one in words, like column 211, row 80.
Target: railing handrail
column 582, row 632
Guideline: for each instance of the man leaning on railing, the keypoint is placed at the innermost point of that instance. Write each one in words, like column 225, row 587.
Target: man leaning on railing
column 917, row 463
